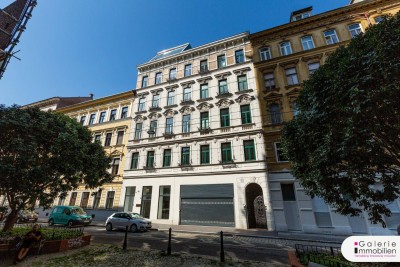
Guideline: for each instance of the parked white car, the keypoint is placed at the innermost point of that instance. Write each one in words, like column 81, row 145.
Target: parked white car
column 134, row 221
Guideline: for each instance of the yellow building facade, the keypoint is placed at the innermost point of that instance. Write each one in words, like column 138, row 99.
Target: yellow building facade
column 283, row 58
column 109, row 119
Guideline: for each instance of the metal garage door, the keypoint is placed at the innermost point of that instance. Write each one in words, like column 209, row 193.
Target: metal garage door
column 210, row 205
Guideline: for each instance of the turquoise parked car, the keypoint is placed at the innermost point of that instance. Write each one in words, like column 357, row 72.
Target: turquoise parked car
column 69, row 216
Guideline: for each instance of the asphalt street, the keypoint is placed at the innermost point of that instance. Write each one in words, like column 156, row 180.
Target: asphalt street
column 198, row 244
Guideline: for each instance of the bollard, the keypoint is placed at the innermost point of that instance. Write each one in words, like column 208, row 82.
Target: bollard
column 222, row 253
column 169, row 242
column 126, row 238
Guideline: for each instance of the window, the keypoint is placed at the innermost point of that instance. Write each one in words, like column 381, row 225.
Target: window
column 156, row 101
column 102, row 116
column 153, row 129
column 188, row 70
column 221, row 62
column 83, row 119
column 172, row 74
column 163, row 202
column 204, row 120
column 97, row 138
column 226, row 153
column 224, row 117
column 150, row 159
column 245, row 114
column 300, row 16
column 72, row 200
column 295, row 109
column 96, row 199
column 269, row 81
column 249, row 150
column 239, row 56
column 265, row 53
column 61, row 201
column 134, row 160
column 307, row 42
column 280, row 157
column 110, row 199
column 321, row 212
column 331, row 37
column 205, row 154
column 167, row 158
column 145, row 81
column 275, row 111
column 138, row 131
column 187, row 94
column 393, row 221
column 185, row 156
column 146, row 201
column 120, row 137
column 186, row 123
column 115, row 166
column 129, row 198
column 242, row 82
column 223, row 86
column 291, row 76
column 113, row 115
column 286, row 48
column 288, row 193
column 203, row 65
column 312, row 67
column 355, row 29
column 107, row 141
column 158, row 78
column 204, row 91
column 169, row 125
column 142, row 104
column 91, row 118
column 171, row 98
column 379, row 19
column 124, row 112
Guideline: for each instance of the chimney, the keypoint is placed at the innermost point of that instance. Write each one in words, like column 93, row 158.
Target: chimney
column 91, row 96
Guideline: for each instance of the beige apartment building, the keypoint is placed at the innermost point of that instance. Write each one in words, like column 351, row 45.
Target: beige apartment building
column 284, row 57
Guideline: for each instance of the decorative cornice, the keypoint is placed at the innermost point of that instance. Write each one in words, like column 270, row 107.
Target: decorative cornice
column 244, row 99
column 310, row 58
column 289, row 63
column 204, row 106
column 242, row 71
column 204, row 79
column 170, row 88
column 156, row 91
column 223, row 75
column 187, row 84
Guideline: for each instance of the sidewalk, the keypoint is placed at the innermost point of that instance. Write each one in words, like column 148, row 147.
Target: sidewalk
column 230, row 231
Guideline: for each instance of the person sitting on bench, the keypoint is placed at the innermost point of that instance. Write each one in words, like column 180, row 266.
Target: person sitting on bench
column 30, row 239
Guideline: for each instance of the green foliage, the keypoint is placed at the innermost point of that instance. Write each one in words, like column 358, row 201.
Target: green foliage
column 344, row 145
column 43, row 155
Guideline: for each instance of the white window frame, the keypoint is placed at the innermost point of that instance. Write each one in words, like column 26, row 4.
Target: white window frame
column 331, row 38
column 354, row 32
column 276, row 153
column 265, row 53
column 307, row 44
column 290, row 76
column 286, row 48
column 312, row 70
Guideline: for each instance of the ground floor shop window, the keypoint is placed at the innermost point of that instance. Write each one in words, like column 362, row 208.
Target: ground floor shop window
column 146, row 201
column 164, row 202
column 110, row 199
column 129, row 198
column 72, row 200
column 96, row 200
column 321, row 212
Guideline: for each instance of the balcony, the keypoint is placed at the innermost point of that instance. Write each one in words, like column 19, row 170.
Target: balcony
column 203, row 71
column 205, row 130
column 168, row 135
column 186, row 102
column 154, row 108
column 223, row 94
column 171, row 79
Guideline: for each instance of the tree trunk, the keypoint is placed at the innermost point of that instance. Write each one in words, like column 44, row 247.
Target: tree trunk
column 10, row 220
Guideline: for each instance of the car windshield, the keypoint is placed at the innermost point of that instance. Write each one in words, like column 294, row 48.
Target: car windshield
column 78, row 211
column 135, row 216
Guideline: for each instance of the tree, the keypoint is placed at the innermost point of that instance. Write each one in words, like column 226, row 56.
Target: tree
column 43, row 155
column 345, row 143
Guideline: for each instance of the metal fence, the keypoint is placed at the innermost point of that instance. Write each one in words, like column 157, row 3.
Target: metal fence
column 327, row 255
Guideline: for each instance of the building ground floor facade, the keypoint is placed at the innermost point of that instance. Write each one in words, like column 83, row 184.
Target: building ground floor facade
column 295, row 211
column 227, row 199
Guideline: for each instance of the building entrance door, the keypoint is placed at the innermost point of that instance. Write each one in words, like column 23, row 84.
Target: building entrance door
column 256, row 215
column 290, row 207
column 146, row 202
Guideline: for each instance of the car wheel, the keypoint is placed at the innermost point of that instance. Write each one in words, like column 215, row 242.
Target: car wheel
column 109, row 227
column 51, row 222
column 133, row 228
column 70, row 223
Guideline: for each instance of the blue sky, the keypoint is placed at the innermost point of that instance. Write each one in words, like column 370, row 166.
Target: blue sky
column 75, row 47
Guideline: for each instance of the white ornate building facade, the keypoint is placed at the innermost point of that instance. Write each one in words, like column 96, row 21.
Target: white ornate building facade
column 196, row 153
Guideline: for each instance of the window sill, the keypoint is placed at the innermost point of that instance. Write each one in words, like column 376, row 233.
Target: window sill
column 293, row 86
column 140, row 112
column 204, row 99
column 224, row 95
column 187, row 102
column 271, row 90
column 171, row 106
column 244, row 91
column 155, row 109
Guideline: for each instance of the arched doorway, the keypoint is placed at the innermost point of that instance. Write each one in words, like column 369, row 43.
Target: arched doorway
column 256, row 216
